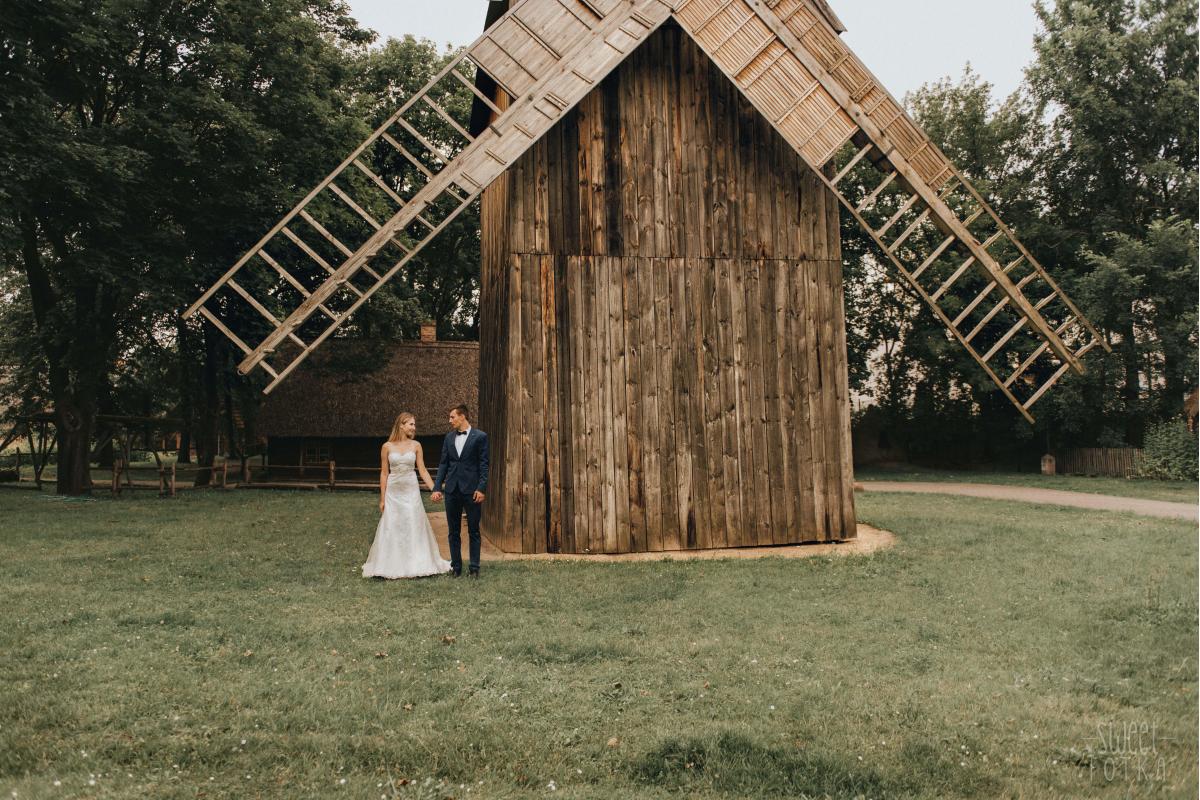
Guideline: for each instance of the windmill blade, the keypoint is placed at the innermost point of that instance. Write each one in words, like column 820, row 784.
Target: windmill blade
column 939, row 234
column 359, row 227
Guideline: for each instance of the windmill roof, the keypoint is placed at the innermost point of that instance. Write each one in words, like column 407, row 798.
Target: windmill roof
column 334, row 395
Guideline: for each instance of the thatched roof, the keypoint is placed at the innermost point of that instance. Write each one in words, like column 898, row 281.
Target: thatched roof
column 339, row 392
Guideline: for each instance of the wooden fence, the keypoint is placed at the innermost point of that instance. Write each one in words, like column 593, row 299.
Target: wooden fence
column 1118, row 462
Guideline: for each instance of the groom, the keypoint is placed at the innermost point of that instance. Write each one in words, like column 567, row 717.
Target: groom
column 463, row 474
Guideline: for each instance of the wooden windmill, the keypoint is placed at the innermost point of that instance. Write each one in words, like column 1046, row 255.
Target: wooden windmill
column 663, row 359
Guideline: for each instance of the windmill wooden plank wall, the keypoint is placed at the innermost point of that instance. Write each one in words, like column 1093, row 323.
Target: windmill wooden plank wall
column 663, row 351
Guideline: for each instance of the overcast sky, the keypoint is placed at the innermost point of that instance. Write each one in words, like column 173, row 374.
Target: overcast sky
column 996, row 37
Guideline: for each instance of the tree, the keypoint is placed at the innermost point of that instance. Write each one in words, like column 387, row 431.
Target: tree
column 143, row 144
column 1118, row 168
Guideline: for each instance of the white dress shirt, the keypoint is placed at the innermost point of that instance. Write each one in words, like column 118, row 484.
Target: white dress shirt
column 460, row 440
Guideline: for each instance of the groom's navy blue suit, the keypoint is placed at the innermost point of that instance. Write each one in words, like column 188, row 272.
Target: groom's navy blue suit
column 459, row 477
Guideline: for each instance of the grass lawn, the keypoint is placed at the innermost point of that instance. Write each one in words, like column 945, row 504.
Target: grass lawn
column 1172, row 491
column 223, row 645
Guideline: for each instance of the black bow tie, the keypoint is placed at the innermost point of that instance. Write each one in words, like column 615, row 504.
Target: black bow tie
column 460, row 434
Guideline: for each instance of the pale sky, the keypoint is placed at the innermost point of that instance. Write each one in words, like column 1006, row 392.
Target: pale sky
column 995, row 36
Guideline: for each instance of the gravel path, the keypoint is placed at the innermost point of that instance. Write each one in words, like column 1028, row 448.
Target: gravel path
column 1057, row 497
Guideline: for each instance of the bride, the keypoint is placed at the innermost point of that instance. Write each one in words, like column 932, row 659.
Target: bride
column 404, row 546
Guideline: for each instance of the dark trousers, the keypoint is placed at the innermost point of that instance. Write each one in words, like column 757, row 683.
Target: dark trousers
column 456, row 503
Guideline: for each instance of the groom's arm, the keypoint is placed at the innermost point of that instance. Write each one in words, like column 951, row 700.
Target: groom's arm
column 443, row 464
column 483, row 463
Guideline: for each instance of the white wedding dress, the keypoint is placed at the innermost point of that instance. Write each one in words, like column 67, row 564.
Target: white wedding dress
column 404, row 546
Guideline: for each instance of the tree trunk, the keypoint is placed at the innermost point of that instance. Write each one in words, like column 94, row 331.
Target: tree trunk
column 208, row 420
column 74, row 421
column 1131, row 393
column 186, row 405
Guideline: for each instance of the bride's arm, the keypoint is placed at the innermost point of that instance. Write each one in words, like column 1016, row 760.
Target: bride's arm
column 383, row 475
column 424, row 473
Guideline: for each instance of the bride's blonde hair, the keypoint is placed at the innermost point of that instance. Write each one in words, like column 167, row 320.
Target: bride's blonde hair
column 397, row 433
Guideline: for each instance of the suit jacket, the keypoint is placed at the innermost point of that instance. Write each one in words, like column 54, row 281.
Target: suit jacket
column 466, row 473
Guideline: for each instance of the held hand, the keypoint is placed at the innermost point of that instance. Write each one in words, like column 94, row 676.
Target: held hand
column 436, row 497
column 477, row 497
column 381, row 505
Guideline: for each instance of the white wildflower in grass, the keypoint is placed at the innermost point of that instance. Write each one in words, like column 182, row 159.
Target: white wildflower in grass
column 58, row 783
column 552, row 786
column 342, row 782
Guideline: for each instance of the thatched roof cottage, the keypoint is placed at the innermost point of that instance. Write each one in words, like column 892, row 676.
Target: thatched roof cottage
column 341, row 405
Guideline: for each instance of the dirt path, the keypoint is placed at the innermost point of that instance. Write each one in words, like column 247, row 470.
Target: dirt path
column 868, row 541
column 1057, row 497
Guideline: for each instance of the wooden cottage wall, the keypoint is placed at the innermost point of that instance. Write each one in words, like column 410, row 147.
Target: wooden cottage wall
column 663, row 346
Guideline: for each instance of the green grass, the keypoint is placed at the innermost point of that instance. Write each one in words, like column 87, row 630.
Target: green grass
column 1172, row 491
column 223, row 645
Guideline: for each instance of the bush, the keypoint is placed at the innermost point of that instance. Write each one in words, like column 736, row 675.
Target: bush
column 1170, row 452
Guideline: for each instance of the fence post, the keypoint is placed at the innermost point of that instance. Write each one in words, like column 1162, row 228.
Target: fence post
column 162, row 480
column 225, row 474
column 332, row 475
column 116, row 477
column 245, row 472
column 172, row 480
column 18, row 463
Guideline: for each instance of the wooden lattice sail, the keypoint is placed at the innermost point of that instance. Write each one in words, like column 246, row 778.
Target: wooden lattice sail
column 545, row 54
column 785, row 56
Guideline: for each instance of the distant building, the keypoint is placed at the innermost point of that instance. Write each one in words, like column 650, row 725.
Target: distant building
column 339, row 407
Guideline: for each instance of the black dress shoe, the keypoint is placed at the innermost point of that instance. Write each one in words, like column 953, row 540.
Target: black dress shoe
column 456, row 573
column 473, row 573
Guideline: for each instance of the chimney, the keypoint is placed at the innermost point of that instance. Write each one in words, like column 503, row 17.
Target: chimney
column 428, row 331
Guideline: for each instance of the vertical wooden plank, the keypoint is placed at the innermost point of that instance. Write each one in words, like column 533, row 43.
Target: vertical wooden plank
column 633, row 277
column 785, row 482
column 598, row 175
column 829, row 411
column 688, row 380
column 580, row 440
column 643, row 153
column 567, row 399
column 715, row 533
column 595, row 423
column 572, row 190
column 846, row 456
column 718, row 177
column 671, row 152
column 648, row 427
column 669, row 348
column 758, row 464
column 661, row 133
column 631, row 82
column 529, row 391
column 813, row 388
column 514, row 380
column 801, row 370
column 552, row 507
column 730, row 318
column 830, row 389
column 538, row 197
column 616, row 166
column 618, row 387
column 608, row 466
column 585, row 122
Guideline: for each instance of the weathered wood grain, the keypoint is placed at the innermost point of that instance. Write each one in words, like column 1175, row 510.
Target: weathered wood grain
column 663, row 339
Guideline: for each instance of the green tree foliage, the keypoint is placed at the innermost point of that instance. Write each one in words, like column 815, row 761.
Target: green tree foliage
column 1093, row 162
column 1118, row 168
column 143, row 145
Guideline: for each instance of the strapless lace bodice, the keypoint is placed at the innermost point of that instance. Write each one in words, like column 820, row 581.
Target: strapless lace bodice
column 402, row 465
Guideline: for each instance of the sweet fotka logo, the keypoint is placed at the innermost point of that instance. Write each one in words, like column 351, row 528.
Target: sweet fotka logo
column 1131, row 752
